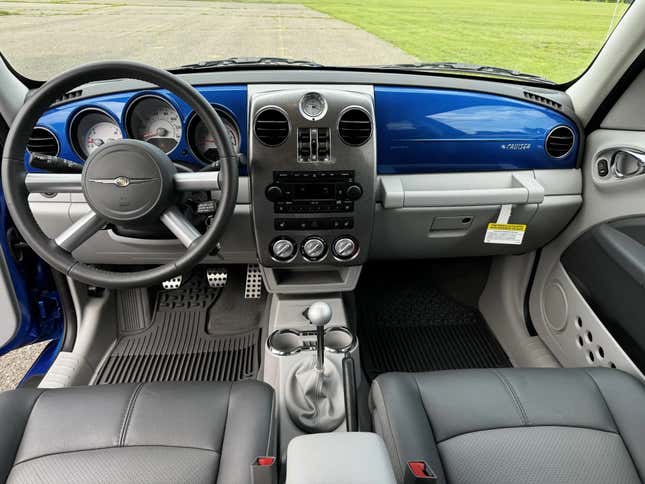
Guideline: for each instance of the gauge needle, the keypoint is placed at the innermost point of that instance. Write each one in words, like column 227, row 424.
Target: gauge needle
column 98, row 141
column 161, row 132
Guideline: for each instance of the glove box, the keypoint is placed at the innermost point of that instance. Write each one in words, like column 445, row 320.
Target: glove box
column 447, row 215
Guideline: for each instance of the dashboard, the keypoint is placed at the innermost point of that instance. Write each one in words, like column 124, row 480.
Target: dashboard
column 339, row 167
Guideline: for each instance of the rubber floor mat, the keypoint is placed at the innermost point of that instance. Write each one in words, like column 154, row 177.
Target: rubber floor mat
column 181, row 343
column 406, row 323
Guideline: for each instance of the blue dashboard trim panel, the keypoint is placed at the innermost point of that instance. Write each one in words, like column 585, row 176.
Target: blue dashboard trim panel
column 230, row 98
column 422, row 130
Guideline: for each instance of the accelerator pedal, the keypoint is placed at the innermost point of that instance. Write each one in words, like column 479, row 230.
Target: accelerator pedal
column 217, row 277
column 253, row 285
column 174, row 283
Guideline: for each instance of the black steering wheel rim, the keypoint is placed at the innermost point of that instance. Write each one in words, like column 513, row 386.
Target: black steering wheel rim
column 14, row 174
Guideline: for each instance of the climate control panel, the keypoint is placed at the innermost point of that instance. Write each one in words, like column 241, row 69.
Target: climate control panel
column 313, row 189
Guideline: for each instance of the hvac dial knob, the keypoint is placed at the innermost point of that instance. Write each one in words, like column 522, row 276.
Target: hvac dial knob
column 314, row 248
column 345, row 248
column 283, row 249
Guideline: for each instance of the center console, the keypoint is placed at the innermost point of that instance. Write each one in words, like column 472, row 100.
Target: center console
column 312, row 155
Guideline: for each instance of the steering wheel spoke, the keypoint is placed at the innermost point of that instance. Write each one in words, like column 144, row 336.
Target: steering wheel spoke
column 197, row 181
column 53, row 182
column 81, row 230
column 180, row 226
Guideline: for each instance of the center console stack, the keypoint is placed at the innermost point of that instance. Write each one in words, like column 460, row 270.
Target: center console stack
column 312, row 157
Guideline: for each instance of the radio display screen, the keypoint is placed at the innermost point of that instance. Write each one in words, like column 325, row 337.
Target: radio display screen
column 314, row 191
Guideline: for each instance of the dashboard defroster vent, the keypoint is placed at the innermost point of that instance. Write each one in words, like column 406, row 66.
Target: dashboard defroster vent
column 43, row 141
column 542, row 100
column 559, row 142
column 355, row 127
column 271, row 127
column 69, row 95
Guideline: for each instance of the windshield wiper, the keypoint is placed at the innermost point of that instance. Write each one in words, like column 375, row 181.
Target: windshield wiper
column 469, row 69
column 247, row 61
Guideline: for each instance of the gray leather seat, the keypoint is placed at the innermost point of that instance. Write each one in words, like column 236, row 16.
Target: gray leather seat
column 157, row 432
column 515, row 425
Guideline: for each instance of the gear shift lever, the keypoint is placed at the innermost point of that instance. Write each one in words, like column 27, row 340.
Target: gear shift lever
column 313, row 393
column 319, row 314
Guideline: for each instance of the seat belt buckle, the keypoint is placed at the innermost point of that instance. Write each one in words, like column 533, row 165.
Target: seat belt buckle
column 264, row 470
column 419, row 472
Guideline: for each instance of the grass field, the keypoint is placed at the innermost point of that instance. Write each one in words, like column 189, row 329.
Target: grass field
column 556, row 39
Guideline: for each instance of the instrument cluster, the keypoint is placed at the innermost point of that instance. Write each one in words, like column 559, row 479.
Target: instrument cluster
column 155, row 120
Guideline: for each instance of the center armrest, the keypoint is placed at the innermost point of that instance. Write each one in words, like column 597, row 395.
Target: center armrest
column 339, row 458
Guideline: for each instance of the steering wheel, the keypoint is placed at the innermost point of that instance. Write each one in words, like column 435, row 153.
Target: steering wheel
column 127, row 182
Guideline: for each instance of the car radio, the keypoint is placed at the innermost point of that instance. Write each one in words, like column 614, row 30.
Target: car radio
column 313, row 191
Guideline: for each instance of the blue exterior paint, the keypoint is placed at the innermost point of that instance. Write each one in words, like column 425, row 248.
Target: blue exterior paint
column 432, row 130
column 232, row 98
column 38, row 302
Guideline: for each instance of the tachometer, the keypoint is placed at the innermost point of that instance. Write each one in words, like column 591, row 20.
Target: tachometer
column 92, row 128
column 203, row 143
column 154, row 120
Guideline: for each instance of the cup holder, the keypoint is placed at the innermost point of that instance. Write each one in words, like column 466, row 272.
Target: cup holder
column 286, row 342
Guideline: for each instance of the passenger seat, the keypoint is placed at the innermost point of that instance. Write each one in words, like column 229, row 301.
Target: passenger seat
column 573, row 426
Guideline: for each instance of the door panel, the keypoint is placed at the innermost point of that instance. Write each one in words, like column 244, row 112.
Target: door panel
column 590, row 280
column 607, row 265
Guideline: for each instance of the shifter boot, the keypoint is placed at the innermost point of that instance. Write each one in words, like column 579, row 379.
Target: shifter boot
column 314, row 398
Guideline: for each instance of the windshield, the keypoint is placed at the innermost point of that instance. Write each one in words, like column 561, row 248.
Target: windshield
column 553, row 39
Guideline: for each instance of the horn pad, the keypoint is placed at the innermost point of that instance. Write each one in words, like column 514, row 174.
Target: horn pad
column 129, row 181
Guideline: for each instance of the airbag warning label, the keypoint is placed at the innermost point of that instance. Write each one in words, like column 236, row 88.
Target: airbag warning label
column 510, row 234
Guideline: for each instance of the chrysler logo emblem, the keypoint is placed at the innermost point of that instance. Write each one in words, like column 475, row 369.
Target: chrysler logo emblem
column 122, row 181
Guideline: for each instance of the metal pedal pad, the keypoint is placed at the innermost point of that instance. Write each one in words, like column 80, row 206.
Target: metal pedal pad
column 253, row 285
column 217, row 277
column 174, row 283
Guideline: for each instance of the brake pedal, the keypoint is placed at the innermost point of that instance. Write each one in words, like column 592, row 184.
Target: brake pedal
column 217, row 277
column 174, row 283
column 253, row 285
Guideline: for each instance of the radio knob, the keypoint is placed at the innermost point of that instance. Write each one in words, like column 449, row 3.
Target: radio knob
column 283, row 249
column 345, row 248
column 354, row 192
column 314, row 248
column 274, row 193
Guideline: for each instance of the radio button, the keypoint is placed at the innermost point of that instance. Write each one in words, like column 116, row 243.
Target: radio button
column 354, row 192
column 274, row 193
column 314, row 248
column 283, row 249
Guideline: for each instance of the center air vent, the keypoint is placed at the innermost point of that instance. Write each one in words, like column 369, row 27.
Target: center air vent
column 355, row 127
column 43, row 141
column 559, row 141
column 271, row 127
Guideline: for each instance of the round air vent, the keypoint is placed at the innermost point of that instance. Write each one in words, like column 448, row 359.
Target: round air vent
column 271, row 127
column 43, row 141
column 355, row 127
column 559, row 141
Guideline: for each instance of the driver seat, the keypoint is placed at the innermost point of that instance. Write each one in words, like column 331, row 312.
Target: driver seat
column 153, row 432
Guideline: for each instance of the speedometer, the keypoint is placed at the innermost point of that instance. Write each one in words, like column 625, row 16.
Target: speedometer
column 203, row 143
column 154, row 120
column 92, row 128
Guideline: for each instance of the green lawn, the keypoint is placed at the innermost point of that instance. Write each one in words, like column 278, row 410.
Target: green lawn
column 556, row 39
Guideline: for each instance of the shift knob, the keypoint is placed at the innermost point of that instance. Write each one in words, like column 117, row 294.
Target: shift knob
column 319, row 313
